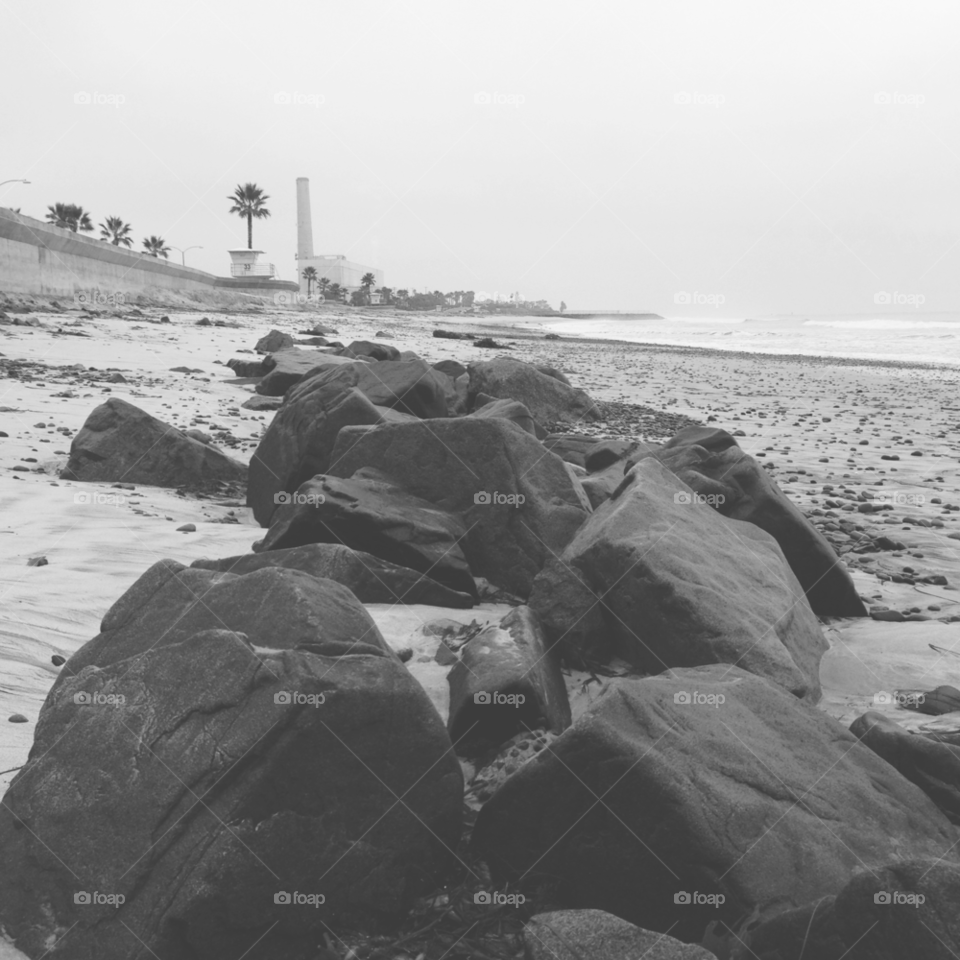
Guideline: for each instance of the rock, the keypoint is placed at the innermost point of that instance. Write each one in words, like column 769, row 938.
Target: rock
column 376, row 351
column 479, row 469
column 706, row 781
column 933, row 767
column 256, row 402
column 894, row 616
column 549, row 371
column 490, row 344
column 119, row 441
column 247, row 368
column 17, row 718
column 680, row 586
column 409, row 386
column 273, row 607
column 300, row 439
column 275, row 340
column 710, row 462
column 187, row 528
column 548, row 399
column 505, row 681
column 38, row 562
column 205, row 782
column 943, row 699
column 606, row 453
column 582, row 934
column 600, row 487
column 451, row 368
column 508, row 410
column 377, row 518
column 57, row 660
column 453, row 335
column 288, row 367
column 572, row 447
column 369, row 578
column 904, row 909
column 194, row 434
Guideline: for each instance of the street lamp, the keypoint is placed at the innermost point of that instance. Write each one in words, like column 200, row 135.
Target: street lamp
column 183, row 253
column 19, row 180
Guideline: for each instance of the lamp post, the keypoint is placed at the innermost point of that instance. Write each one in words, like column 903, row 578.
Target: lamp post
column 18, row 180
column 183, row 253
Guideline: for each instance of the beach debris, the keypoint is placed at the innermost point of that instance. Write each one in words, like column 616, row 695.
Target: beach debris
column 37, row 562
column 17, row 718
column 187, row 528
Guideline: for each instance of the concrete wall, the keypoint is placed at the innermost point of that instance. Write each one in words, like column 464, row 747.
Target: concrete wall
column 41, row 259
column 337, row 269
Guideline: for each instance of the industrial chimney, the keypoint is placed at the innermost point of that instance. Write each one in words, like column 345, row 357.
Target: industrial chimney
column 304, row 221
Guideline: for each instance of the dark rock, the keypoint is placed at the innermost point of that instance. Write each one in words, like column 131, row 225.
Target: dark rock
column 600, row 487
column 608, row 452
column 274, row 341
column 893, row 616
column 451, row 368
column 710, row 462
column 119, row 441
column 943, row 699
column 933, row 767
column 510, row 410
column 583, row 934
column 547, row 399
column 506, row 681
column 247, row 368
column 369, row 578
column 377, row 518
column 453, row 335
column 662, row 788
column 663, row 581
column 256, row 402
column 490, row 344
column 289, row 367
column 572, row 447
column 460, row 464
column 17, row 718
column 207, row 787
column 549, row 371
column 376, row 351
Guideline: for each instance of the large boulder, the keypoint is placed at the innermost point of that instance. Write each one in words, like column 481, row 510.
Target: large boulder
column 371, row 349
column 702, row 794
column 287, row 367
column 711, row 463
column 370, row 579
column 507, row 410
column 378, row 518
column 662, row 580
column 298, row 443
column 516, row 499
column 274, row 607
column 904, row 909
column 215, row 799
column 933, row 767
column 119, row 442
column 274, row 341
column 548, row 399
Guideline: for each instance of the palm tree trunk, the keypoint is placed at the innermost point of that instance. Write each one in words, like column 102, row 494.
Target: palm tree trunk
column 249, row 231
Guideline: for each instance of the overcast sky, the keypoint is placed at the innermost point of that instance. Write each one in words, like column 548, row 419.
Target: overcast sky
column 777, row 157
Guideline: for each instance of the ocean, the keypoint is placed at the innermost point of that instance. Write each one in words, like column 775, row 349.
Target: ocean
column 926, row 338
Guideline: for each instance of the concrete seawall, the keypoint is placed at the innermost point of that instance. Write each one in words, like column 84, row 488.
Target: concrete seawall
column 43, row 260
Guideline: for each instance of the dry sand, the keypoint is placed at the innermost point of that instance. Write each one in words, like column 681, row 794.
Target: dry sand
column 808, row 417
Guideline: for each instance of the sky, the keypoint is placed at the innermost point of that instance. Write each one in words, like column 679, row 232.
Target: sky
column 687, row 158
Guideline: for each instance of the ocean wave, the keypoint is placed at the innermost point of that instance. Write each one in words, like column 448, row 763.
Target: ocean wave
column 881, row 323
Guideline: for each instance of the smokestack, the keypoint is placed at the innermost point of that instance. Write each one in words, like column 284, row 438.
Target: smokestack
column 304, row 220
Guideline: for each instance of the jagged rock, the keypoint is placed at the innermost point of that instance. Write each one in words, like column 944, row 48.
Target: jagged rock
column 246, row 368
column 274, row 341
column 582, row 934
column 572, row 447
column 707, row 781
column 205, row 783
column 549, row 400
column 663, row 581
column 300, row 439
column 369, row 578
column 904, row 909
column 478, row 469
column 378, row 518
column 121, row 442
column 600, row 487
column 508, row 410
column 505, row 681
column 367, row 348
column 256, row 402
column 284, row 369
column 710, row 462
column 604, row 454
column 452, row 368
column 933, row 767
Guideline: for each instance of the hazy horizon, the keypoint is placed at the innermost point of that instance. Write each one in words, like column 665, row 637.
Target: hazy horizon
column 785, row 159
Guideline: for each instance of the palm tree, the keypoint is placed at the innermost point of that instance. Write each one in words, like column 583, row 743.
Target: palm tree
column 384, row 293
column 116, row 231
column 310, row 275
column 156, row 247
column 323, row 283
column 249, row 202
column 69, row 215
column 367, row 281
column 335, row 291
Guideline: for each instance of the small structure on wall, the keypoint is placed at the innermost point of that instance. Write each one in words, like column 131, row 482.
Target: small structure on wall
column 244, row 265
